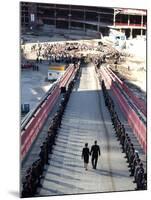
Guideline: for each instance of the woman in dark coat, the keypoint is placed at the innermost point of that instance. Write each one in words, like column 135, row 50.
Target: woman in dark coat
column 85, row 156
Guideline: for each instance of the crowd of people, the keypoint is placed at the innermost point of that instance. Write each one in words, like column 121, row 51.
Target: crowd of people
column 34, row 173
column 58, row 52
column 68, row 52
column 131, row 154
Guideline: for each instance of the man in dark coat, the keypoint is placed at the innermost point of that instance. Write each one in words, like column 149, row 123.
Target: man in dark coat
column 85, row 156
column 95, row 152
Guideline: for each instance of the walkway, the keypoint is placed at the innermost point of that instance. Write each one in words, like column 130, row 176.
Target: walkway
column 86, row 119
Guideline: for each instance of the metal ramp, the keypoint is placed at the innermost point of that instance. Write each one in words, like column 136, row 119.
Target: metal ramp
column 86, row 119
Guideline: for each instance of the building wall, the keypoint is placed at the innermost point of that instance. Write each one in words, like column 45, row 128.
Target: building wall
column 83, row 18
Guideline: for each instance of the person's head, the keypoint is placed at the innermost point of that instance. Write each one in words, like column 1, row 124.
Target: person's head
column 86, row 144
column 95, row 142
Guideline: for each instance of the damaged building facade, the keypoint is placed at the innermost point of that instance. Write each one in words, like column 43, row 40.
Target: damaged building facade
column 83, row 19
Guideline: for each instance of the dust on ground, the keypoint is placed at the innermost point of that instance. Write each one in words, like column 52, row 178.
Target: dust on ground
column 132, row 70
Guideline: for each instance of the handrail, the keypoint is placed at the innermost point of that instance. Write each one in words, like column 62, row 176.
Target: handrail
column 138, row 127
column 34, row 122
column 138, row 102
column 28, row 117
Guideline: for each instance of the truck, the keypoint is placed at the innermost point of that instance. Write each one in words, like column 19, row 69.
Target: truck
column 55, row 72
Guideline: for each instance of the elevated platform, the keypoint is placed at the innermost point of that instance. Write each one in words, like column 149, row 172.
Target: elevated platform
column 86, row 119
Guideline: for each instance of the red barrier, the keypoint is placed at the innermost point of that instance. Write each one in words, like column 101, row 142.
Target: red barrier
column 138, row 102
column 136, row 124
column 67, row 76
column 33, row 127
column 35, row 124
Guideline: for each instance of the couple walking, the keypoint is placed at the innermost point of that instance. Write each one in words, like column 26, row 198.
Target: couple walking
column 95, row 152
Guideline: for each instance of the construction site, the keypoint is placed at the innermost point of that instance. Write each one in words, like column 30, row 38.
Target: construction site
column 83, row 79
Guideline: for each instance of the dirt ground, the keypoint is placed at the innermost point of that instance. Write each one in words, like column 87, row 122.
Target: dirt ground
column 132, row 70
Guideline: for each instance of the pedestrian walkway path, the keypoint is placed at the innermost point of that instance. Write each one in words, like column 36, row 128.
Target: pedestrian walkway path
column 86, row 119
